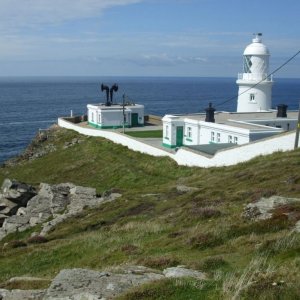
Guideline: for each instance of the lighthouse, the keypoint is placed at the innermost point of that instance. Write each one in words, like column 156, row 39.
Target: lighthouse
column 255, row 86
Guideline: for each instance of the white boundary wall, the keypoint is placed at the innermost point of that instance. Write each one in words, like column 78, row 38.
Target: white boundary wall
column 232, row 156
column 237, row 154
column 117, row 138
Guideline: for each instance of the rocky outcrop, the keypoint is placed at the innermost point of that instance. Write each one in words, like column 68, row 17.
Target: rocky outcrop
column 71, row 284
column 14, row 195
column 55, row 202
column 181, row 271
column 262, row 209
column 87, row 284
column 22, row 294
column 265, row 208
column 182, row 189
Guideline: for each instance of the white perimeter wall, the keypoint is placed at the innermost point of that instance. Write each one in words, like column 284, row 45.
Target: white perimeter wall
column 115, row 137
column 190, row 158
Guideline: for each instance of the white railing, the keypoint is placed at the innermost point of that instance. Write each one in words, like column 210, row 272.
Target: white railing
column 255, row 77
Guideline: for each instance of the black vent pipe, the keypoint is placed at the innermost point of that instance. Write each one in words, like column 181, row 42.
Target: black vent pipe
column 210, row 114
column 106, row 88
column 281, row 110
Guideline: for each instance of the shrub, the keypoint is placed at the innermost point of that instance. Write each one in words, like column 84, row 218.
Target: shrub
column 15, row 244
column 129, row 249
column 37, row 239
column 161, row 262
column 212, row 263
column 204, row 240
column 206, row 212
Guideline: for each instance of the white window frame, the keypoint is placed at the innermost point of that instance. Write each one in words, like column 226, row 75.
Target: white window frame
column 230, row 139
column 218, row 137
column 99, row 118
column 189, row 132
column 92, row 116
column 167, row 131
column 235, row 140
column 212, row 136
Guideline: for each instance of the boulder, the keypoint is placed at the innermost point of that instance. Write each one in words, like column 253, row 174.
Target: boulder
column 2, row 219
column 56, row 202
column 262, row 209
column 8, row 207
column 185, row 189
column 79, row 283
column 15, row 223
column 181, row 271
column 22, row 294
column 17, row 192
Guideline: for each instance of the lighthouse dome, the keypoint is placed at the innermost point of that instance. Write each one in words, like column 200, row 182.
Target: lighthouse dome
column 257, row 47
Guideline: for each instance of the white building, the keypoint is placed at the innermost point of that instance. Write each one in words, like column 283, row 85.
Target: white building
column 114, row 116
column 253, row 120
column 237, row 128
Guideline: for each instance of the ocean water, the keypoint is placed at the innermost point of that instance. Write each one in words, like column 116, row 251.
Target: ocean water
column 29, row 104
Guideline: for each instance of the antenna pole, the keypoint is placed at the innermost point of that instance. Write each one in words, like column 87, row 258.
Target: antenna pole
column 297, row 130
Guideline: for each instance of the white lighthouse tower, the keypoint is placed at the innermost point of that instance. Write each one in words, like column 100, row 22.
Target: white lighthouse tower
column 255, row 87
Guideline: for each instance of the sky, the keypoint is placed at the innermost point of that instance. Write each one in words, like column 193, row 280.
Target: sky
column 203, row 38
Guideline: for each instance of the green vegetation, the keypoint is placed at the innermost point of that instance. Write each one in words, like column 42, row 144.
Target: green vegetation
column 146, row 134
column 155, row 225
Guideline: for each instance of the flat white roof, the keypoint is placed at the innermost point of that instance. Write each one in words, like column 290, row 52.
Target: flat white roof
column 114, row 106
column 240, row 120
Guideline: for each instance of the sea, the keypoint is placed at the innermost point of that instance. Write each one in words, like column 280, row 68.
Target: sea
column 28, row 104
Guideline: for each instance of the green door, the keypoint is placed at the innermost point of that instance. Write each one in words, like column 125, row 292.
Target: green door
column 134, row 119
column 179, row 136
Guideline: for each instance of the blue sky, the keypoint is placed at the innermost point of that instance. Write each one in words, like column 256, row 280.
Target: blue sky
column 144, row 37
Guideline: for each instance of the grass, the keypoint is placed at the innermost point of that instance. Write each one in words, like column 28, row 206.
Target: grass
column 155, row 225
column 146, row 134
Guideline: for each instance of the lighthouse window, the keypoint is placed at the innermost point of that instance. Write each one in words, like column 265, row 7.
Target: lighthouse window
column 247, row 64
column 218, row 137
column 230, row 139
column 252, row 97
column 235, row 140
column 92, row 117
column 99, row 118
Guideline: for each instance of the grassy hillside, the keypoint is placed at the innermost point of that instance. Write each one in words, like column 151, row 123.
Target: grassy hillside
column 155, row 225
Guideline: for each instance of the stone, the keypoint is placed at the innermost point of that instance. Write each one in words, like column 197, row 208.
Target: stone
column 15, row 223
column 8, row 207
column 17, row 192
column 74, row 283
column 185, row 189
column 60, row 201
column 262, row 209
column 22, row 294
column 180, row 271
column 2, row 219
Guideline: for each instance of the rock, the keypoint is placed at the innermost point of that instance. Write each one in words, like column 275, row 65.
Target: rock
column 180, row 271
column 76, row 283
column 262, row 209
column 60, row 201
column 2, row 219
column 17, row 192
column 185, row 189
column 22, row 294
column 8, row 207
column 15, row 223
